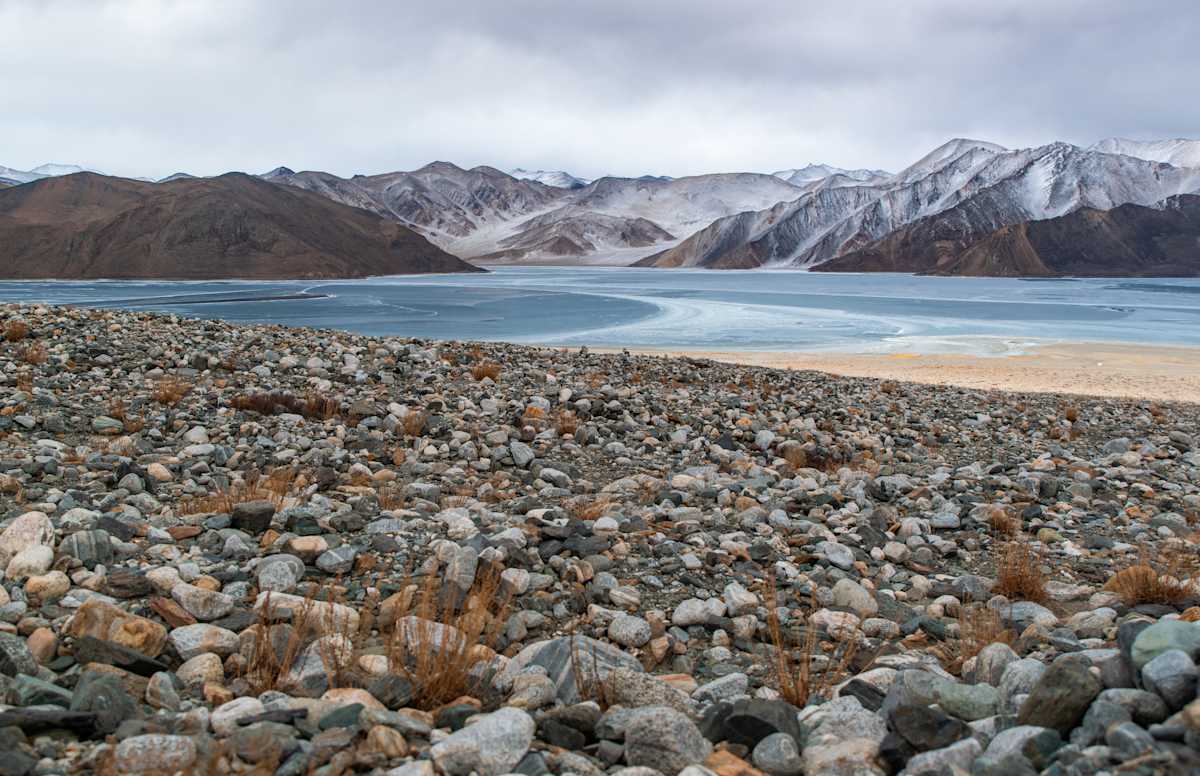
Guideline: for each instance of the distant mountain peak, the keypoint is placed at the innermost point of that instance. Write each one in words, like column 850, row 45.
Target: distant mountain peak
column 555, row 178
column 278, row 172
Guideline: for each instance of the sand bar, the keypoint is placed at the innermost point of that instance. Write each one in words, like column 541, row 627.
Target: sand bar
column 1089, row 368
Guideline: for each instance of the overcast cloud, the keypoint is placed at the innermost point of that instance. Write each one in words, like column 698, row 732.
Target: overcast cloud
column 145, row 87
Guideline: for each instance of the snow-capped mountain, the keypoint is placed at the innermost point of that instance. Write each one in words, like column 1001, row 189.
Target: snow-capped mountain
column 812, row 173
column 1178, row 152
column 41, row 171
column 485, row 213
column 178, row 176
column 555, row 178
column 984, row 185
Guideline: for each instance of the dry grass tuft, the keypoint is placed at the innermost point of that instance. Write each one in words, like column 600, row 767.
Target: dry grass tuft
column 566, row 423
column 1168, row 578
column 274, row 488
column 486, row 370
column 1018, row 572
column 533, row 416
column 413, row 423
column 313, row 406
column 437, row 645
column 796, row 672
column 15, row 331
column 33, row 353
column 978, row 626
column 170, row 390
column 1003, row 522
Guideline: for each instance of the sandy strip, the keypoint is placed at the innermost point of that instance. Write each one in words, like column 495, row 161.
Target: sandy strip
column 1094, row 369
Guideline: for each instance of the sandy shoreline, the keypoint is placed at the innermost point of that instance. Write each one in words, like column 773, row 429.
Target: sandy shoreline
column 1095, row 369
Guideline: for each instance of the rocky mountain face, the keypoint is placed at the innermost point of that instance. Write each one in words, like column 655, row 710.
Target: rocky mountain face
column 485, row 214
column 234, row 226
column 971, row 186
column 815, row 173
column 556, row 178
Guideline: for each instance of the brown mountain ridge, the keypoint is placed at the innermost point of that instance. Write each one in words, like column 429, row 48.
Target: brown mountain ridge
column 89, row 226
column 1129, row 240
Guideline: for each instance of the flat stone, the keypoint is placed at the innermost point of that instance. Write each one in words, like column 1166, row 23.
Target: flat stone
column 489, row 747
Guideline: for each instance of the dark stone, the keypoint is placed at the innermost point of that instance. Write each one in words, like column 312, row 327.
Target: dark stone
column 1060, row 697
column 532, row 764
column 31, row 691
column 127, row 583
column 454, row 717
column 15, row 761
column 870, row 696
column 392, row 690
column 39, row 720
column 341, row 717
column 282, row 716
column 104, row 696
column 15, row 657
column 253, row 517
column 117, row 527
column 895, row 752
column 926, row 728
column 749, row 721
column 89, row 649
column 557, row 734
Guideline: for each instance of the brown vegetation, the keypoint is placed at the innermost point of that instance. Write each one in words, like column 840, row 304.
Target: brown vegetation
column 1018, row 572
column 797, row 670
column 436, row 643
column 33, row 353
column 566, row 423
column 486, row 370
column 274, row 488
column 978, row 626
column 1167, row 578
column 414, row 423
column 313, row 406
column 15, row 331
column 170, row 390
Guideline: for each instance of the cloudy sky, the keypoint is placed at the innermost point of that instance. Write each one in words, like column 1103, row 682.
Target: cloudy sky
column 148, row 87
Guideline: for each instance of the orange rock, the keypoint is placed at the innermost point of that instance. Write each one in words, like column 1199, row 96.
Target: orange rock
column 207, row 583
column 725, row 763
column 216, row 694
column 43, row 644
column 106, row 621
column 682, row 682
column 345, row 696
column 175, row 615
column 181, row 532
column 387, row 741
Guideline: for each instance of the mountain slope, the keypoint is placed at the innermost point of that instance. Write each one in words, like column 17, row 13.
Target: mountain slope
column 487, row 214
column 233, row 226
column 555, row 178
column 1178, row 152
column 976, row 187
column 812, row 173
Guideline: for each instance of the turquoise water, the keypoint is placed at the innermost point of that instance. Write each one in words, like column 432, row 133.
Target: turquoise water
column 684, row 309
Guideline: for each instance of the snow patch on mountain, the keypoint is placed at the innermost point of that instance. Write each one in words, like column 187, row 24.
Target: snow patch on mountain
column 555, row 178
column 812, row 173
column 1178, row 152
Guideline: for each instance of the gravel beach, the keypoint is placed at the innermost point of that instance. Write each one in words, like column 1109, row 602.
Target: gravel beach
column 256, row 549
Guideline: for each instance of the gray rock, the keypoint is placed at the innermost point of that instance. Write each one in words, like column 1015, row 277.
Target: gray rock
column 1061, row 697
column 489, row 747
column 664, row 739
column 204, row 605
column 564, row 658
column 1018, row 678
column 155, row 752
column 253, row 517
column 15, row 657
column 637, row 689
column 90, row 547
column 629, row 631
column 1163, row 636
column 778, row 755
column 1172, row 675
column 951, row 759
column 850, row 595
column 968, row 701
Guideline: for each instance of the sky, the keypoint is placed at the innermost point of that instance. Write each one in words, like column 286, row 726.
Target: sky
column 667, row 87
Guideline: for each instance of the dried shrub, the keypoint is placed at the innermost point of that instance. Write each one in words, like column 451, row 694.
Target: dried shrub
column 978, row 626
column 566, row 423
column 486, row 370
column 274, row 488
column 313, row 406
column 437, row 643
column 1070, row 413
column 391, row 498
column 795, row 670
column 118, row 411
column 533, row 416
column 1003, row 522
column 15, row 331
column 585, row 509
column 33, row 353
column 1018, row 572
column 170, row 390
column 414, row 423
column 1166, row 578
column 270, row 659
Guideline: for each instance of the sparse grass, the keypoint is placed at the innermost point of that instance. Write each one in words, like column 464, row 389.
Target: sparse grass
column 1165, row 578
column 1070, row 413
column 33, row 353
column 533, row 416
column 25, row 381
column 486, row 370
column 437, row 645
column 15, row 331
column 170, row 390
column 391, row 498
column 978, row 626
column 413, row 423
column 274, row 488
column 313, row 406
column 585, row 509
column 566, row 423
column 269, row 659
column 1003, row 522
column 797, row 670
column 1018, row 572
column 118, row 411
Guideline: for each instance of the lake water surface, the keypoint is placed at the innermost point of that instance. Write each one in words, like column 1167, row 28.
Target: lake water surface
column 684, row 309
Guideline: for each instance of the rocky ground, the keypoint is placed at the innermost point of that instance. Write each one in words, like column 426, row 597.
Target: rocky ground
column 269, row 550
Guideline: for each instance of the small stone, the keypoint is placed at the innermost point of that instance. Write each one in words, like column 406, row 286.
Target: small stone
column 664, row 739
column 155, row 752
column 778, row 755
column 253, row 517
column 489, row 747
column 1060, row 697
column 1172, row 675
